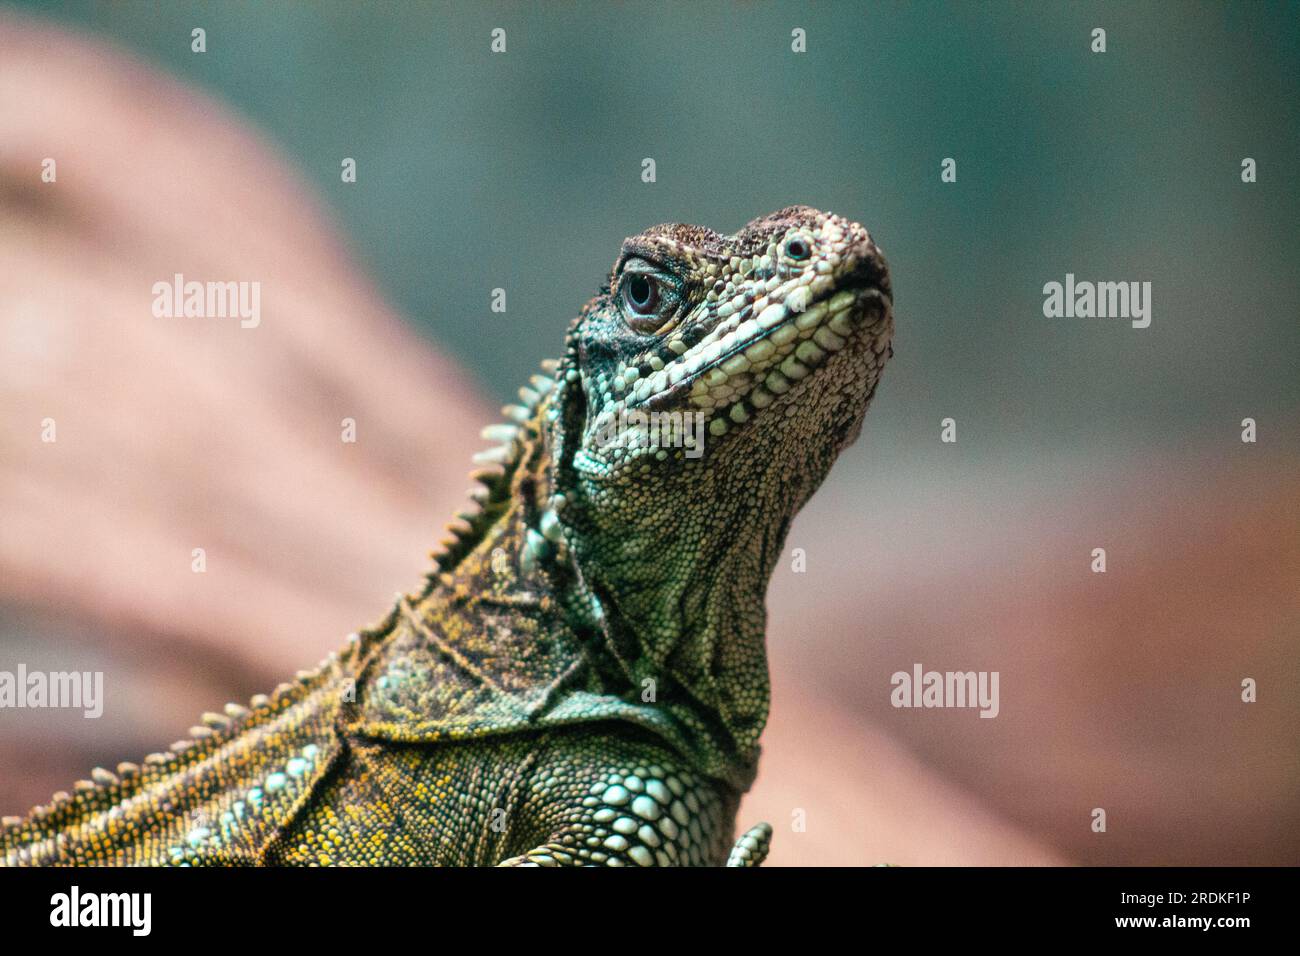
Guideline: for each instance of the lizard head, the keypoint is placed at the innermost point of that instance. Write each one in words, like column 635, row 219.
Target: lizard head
column 703, row 396
column 701, row 348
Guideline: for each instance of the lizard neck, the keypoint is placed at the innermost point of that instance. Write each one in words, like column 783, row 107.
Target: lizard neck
column 671, row 570
column 628, row 600
column 674, row 569
column 683, row 595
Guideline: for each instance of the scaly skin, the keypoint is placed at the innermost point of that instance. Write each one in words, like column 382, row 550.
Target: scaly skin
column 582, row 678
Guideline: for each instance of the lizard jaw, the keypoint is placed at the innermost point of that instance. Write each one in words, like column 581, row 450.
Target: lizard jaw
column 768, row 356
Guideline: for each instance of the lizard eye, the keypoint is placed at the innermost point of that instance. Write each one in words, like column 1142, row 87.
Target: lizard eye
column 641, row 293
column 649, row 297
column 797, row 249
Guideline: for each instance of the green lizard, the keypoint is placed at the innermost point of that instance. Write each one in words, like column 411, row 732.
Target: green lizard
column 582, row 678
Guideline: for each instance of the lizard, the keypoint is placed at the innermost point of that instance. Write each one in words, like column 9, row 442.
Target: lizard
column 581, row 677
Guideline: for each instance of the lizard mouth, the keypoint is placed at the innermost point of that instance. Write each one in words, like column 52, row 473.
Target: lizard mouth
column 767, row 355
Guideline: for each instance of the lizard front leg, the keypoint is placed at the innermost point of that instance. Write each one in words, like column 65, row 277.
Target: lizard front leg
column 647, row 811
column 751, row 849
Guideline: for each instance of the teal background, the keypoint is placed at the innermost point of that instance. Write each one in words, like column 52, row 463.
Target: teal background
column 522, row 170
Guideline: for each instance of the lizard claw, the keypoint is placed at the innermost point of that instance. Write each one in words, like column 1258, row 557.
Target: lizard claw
column 751, row 849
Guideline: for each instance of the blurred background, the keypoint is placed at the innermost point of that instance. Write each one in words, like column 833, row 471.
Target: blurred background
column 521, row 170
